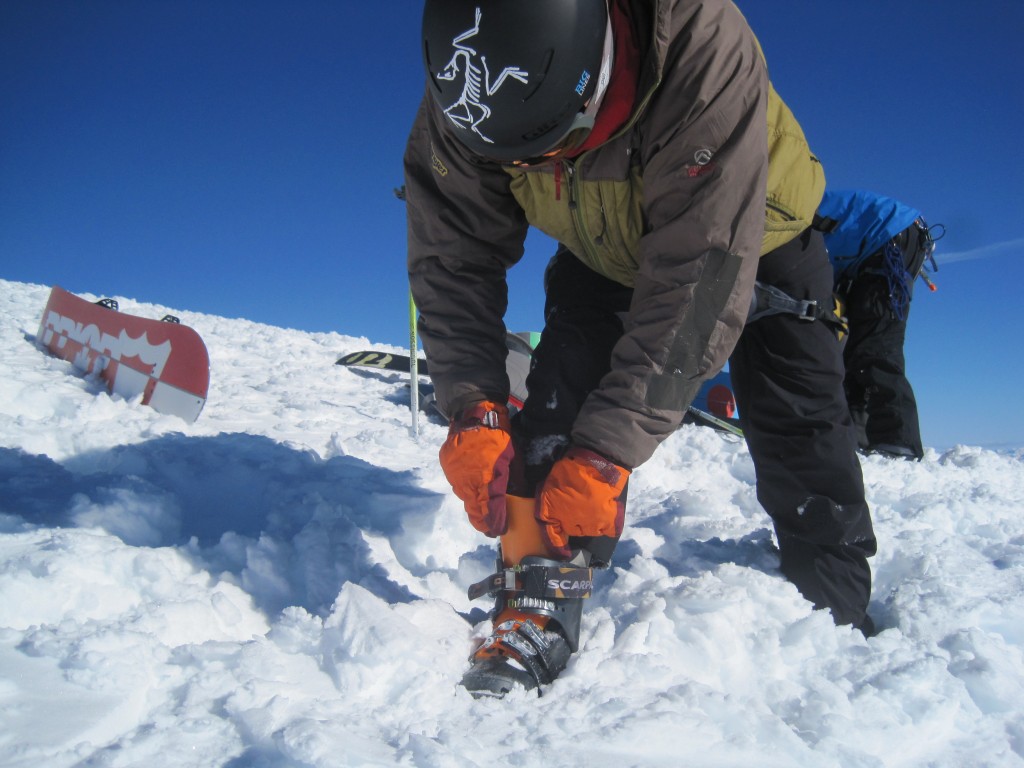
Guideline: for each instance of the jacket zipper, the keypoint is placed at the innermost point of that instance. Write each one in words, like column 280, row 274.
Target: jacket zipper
column 573, row 185
column 570, row 172
column 576, row 211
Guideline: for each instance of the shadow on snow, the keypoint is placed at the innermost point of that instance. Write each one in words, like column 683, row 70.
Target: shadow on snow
column 289, row 527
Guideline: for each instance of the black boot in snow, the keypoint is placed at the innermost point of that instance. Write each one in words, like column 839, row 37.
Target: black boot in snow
column 539, row 603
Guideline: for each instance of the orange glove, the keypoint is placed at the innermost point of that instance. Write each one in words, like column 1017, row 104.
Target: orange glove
column 475, row 459
column 584, row 495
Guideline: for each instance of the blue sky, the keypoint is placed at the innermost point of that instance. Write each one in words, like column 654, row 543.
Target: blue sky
column 238, row 157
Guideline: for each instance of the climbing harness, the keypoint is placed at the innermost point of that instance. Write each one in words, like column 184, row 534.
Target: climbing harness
column 768, row 300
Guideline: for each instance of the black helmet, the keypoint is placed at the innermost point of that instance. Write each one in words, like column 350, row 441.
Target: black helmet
column 514, row 77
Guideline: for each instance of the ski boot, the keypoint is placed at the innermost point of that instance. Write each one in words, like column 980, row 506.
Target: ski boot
column 536, row 617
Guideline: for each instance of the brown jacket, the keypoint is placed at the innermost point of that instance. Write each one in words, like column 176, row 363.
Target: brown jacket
column 678, row 197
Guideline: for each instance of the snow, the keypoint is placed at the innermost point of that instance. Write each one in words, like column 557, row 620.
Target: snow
column 283, row 583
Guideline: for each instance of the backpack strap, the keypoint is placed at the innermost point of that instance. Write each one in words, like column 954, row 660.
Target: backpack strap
column 824, row 224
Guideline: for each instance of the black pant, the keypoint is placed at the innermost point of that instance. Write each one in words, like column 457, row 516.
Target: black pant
column 787, row 375
column 583, row 314
column 880, row 397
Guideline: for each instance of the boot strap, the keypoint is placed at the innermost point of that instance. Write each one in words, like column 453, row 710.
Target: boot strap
column 537, row 582
column 537, row 651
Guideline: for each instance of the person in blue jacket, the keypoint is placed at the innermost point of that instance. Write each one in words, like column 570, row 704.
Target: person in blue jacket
column 878, row 247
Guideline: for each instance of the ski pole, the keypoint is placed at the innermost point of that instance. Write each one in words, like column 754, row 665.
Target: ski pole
column 414, row 369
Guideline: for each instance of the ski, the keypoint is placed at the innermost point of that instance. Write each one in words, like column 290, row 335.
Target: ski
column 385, row 361
column 713, row 407
column 517, row 365
column 705, row 419
column 397, row 362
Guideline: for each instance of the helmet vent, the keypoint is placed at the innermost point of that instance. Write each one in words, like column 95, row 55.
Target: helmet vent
column 548, row 125
column 538, row 79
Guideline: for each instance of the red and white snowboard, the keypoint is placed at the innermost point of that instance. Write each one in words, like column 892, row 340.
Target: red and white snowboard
column 166, row 362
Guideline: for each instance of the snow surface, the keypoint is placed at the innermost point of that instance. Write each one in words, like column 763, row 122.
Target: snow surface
column 283, row 583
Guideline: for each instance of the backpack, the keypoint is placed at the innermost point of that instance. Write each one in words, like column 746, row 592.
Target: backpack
column 857, row 225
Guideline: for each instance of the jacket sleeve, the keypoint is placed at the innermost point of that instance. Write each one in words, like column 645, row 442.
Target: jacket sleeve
column 464, row 231
column 704, row 156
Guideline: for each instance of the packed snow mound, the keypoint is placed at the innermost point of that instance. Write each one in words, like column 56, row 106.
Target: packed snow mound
column 283, row 583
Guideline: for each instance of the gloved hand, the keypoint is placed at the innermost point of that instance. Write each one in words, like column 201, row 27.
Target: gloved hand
column 583, row 495
column 475, row 458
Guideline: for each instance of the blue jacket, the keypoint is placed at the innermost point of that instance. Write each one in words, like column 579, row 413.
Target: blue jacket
column 865, row 222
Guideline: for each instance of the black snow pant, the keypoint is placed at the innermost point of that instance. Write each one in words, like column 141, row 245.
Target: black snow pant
column 787, row 374
column 583, row 313
column 879, row 395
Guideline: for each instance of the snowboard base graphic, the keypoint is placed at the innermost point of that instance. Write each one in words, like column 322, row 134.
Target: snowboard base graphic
column 162, row 360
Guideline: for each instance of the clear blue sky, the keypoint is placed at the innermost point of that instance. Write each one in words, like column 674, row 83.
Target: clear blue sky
column 237, row 157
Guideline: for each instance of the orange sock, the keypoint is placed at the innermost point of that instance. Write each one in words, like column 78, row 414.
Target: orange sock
column 522, row 539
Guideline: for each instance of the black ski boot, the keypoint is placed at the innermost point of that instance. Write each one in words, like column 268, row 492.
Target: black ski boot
column 538, row 606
